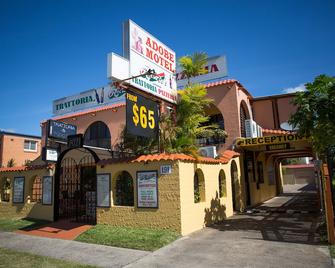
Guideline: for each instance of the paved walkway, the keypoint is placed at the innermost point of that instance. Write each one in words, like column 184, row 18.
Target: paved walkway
column 276, row 234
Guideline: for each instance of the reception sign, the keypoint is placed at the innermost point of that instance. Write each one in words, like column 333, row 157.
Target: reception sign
column 103, row 190
column 266, row 140
column 145, row 52
column 18, row 190
column 147, row 189
column 47, row 190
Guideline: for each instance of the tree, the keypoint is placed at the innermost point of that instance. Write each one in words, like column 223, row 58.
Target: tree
column 193, row 65
column 11, row 162
column 315, row 115
column 190, row 119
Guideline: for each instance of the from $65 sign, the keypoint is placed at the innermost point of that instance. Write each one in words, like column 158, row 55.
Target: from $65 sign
column 142, row 116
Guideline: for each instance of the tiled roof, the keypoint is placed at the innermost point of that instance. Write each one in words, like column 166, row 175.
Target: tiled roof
column 276, row 131
column 226, row 82
column 23, row 168
column 173, row 157
column 94, row 110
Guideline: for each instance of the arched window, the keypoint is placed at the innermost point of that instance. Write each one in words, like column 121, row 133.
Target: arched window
column 243, row 117
column 36, row 195
column 98, row 135
column 5, row 190
column 222, row 184
column 235, row 184
column 124, row 190
column 199, row 186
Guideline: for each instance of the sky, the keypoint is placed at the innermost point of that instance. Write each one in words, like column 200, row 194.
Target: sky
column 55, row 48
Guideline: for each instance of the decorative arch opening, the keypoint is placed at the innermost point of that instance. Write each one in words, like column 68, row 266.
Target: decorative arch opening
column 235, row 184
column 244, row 115
column 199, row 186
column 5, row 189
column 215, row 118
column 98, row 135
column 222, row 184
column 124, row 189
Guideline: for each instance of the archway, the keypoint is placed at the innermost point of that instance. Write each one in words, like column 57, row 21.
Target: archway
column 235, row 185
column 244, row 115
column 98, row 135
column 75, row 186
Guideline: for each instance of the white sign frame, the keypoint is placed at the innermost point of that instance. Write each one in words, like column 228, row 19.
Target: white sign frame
column 22, row 182
column 156, row 56
column 147, row 191
column 101, row 200
column 47, row 192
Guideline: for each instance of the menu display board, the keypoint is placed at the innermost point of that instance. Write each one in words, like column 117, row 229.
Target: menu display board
column 18, row 190
column 103, row 190
column 47, row 190
column 147, row 189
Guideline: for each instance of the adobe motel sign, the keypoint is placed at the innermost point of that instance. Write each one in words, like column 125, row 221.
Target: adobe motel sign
column 141, row 116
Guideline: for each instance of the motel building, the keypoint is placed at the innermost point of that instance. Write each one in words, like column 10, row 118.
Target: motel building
column 87, row 177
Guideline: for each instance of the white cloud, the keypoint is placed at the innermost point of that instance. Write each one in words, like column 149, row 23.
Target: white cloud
column 12, row 130
column 299, row 88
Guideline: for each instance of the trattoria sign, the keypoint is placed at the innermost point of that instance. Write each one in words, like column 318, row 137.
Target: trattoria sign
column 266, row 140
column 216, row 68
column 145, row 52
column 88, row 99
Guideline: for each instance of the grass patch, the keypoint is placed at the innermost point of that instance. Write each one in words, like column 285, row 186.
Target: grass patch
column 11, row 258
column 12, row 224
column 126, row 237
column 332, row 251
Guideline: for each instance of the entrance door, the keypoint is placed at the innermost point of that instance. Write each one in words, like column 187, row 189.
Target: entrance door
column 77, row 190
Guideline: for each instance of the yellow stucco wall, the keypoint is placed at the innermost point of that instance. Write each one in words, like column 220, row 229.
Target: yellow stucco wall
column 26, row 209
column 195, row 216
column 265, row 190
column 167, row 216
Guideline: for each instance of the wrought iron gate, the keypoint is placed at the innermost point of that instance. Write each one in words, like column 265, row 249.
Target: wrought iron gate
column 77, row 190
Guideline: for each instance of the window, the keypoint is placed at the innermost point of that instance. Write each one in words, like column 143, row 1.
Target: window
column 5, row 190
column 216, row 119
column 98, row 135
column 199, row 186
column 243, row 117
column 37, row 190
column 124, row 190
column 30, row 145
column 222, row 184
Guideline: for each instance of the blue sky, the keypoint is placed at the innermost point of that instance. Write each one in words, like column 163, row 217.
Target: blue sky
column 51, row 49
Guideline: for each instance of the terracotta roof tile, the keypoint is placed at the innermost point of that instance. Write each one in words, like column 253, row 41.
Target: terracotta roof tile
column 172, row 157
column 226, row 82
column 276, row 131
column 23, row 168
column 94, row 110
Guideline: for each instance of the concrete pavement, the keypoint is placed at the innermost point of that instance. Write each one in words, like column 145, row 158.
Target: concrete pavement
column 276, row 234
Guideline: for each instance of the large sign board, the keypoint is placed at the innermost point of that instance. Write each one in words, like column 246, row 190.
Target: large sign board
column 60, row 131
column 266, row 140
column 18, row 190
column 103, row 190
column 216, row 68
column 47, row 190
column 147, row 189
column 145, row 52
column 88, row 99
column 142, row 117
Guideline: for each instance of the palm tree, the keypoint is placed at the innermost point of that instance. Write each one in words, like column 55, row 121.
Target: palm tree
column 193, row 65
column 11, row 162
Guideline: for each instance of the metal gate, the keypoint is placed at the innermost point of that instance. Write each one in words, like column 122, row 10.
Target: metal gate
column 77, row 190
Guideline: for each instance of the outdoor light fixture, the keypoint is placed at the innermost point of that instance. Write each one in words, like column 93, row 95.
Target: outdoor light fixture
column 119, row 84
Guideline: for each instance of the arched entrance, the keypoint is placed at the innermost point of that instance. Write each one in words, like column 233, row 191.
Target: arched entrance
column 75, row 186
column 235, row 185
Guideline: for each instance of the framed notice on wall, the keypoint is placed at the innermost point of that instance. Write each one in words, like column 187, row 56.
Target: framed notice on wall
column 47, row 190
column 147, row 189
column 103, row 190
column 18, row 190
